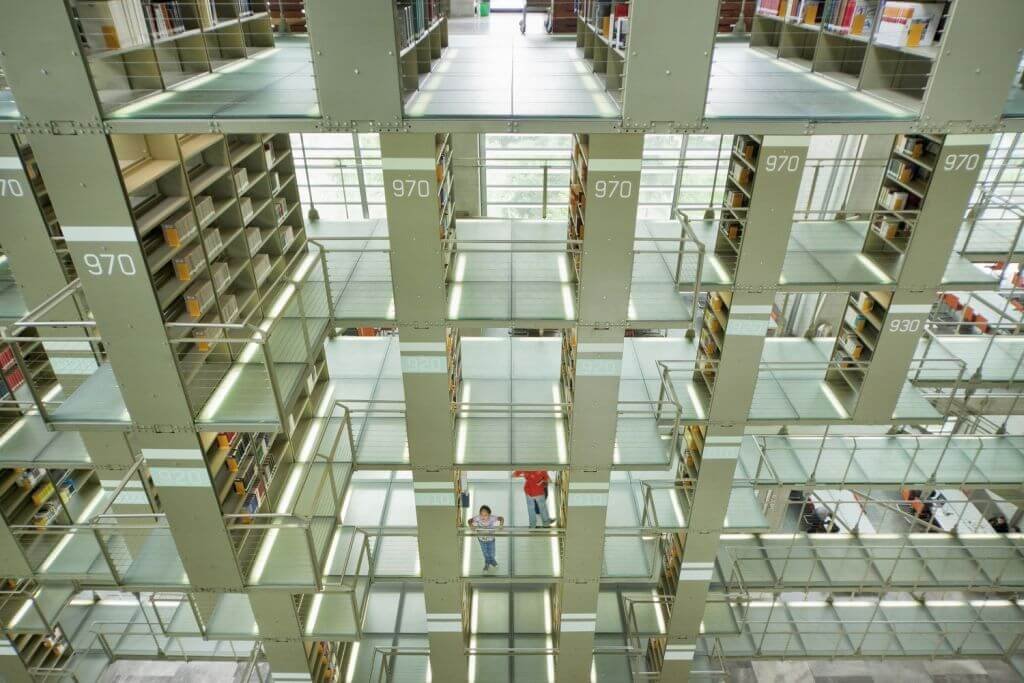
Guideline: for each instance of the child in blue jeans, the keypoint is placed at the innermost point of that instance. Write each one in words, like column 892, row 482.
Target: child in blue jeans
column 485, row 520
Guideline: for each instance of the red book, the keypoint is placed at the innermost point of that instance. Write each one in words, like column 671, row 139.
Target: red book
column 851, row 5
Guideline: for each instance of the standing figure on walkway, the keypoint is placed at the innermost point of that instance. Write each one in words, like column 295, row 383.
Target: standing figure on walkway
column 485, row 520
column 535, row 487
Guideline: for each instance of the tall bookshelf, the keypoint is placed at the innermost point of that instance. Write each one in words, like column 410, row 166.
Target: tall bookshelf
column 739, row 188
column 132, row 55
column 602, row 33
column 904, row 186
column 849, row 41
column 578, row 197
column 421, row 32
column 712, row 338
column 218, row 220
column 908, row 173
column 862, row 324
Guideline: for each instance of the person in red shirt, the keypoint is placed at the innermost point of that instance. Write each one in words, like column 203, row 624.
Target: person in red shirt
column 535, row 486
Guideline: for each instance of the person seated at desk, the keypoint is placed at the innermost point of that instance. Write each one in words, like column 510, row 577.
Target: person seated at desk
column 1000, row 525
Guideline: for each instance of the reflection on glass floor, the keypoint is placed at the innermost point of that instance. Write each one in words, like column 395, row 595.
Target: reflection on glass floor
column 500, row 370
column 12, row 304
column 504, row 271
column 8, row 109
column 828, row 254
column 490, row 70
column 1015, row 102
column 521, row 281
column 277, row 82
column 790, row 386
column 748, row 84
column 830, row 562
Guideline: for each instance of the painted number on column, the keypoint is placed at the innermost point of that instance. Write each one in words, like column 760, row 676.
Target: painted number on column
column 109, row 264
column 613, row 189
column 411, row 188
column 962, row 162
column 782, row 163
column 11, row 187
column 904, row 325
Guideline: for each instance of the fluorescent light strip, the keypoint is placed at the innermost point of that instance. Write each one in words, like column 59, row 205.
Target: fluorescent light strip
column 314, row 613
column 830, row 395
column 350, row 675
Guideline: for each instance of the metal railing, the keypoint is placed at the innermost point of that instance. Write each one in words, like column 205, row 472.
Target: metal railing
column 313, row 510
column 921, row 461
column 208, row 380
column 801, row 563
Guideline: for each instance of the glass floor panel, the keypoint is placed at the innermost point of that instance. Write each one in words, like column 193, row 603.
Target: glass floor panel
column 96, row 401
column 358, row 268
column 490, row 70
column 840, row 561
column 1015, row 102
column 8, row 109
column 992, row 358
column 514, row 439
column 155, row 562
column 853, row 628
column 49, row 602
column 990, row 240
column 28, row 443
column 244, row 401
column 74, row 558
column 749, row 84
column 882, row 461
column 274, row 83
column 12, row 304
column 672, row 510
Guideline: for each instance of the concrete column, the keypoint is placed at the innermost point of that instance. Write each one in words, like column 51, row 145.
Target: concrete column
column 668, row 63
column 416, row 257
column 769, row 220
column 607, row 263
column 355, row 61
column 975, row 68
column 938, row 224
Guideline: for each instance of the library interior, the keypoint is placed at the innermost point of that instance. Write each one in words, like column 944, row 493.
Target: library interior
column 320, row 379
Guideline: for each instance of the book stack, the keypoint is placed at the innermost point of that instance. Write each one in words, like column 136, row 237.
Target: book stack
column 893, row 200
column 243, row 7
column 849, row 17
column 208, row 12
column 772, row 8
column 112, row 24
column 909, row 24
column 806, row 11
column 406, row 24
column 164, row 19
